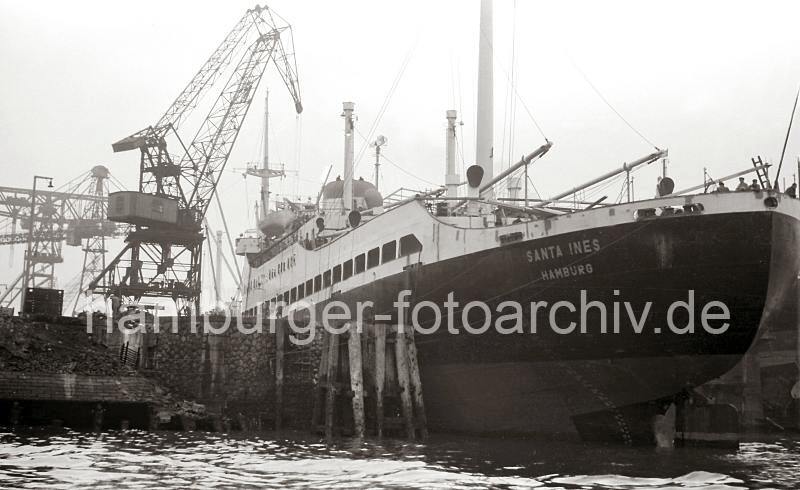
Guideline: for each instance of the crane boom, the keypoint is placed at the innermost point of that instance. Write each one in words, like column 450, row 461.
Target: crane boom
column 191, row 94
column 209, row 152
column 207, row 74
column 163, row 258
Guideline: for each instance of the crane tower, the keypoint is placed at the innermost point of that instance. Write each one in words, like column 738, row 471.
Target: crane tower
column 75, row 214
column 163, row 252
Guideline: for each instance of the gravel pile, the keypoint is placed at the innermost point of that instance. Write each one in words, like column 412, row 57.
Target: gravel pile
column 55, row 348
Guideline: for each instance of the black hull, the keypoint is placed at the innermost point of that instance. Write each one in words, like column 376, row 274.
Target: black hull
column 543, row 382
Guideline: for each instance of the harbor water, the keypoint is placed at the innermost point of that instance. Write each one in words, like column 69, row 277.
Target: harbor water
column 136, row 459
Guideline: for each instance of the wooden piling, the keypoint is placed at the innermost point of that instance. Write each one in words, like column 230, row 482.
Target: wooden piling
column 356, row 379
column 279, row 359
column 330, row 395
column 322, row 380
column 401, row 357
column 416, row 383
column 374, row 368
column 380, row 375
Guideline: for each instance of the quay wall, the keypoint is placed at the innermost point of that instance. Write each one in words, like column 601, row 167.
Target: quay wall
column 230, row 370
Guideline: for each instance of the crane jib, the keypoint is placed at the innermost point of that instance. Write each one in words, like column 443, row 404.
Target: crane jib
column 173, row 167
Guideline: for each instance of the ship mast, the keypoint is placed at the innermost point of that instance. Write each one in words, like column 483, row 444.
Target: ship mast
column 451, row 177
column 264, row 172
column 347, row 192
column 485, row 134
column 379, row 142
column 265, row 162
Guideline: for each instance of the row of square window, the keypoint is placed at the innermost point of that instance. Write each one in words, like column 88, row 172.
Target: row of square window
column 409, row 244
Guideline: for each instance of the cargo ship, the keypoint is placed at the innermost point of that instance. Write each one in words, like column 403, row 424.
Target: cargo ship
column 602, row 368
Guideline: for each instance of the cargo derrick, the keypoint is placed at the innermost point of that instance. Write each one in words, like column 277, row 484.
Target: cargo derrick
column 162, row 256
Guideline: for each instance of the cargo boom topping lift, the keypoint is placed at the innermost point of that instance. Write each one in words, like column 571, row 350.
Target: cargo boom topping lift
column 163, row 252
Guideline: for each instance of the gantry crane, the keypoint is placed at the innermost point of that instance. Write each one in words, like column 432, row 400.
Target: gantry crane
column 75, row 215
column 163, row 253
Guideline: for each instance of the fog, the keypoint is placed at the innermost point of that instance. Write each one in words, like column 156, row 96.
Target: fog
column 712, row 82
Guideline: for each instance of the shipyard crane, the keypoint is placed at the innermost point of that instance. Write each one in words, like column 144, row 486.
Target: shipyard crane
column 163, row 252
column 75, row 215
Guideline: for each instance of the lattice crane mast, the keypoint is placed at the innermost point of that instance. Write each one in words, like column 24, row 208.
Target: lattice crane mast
column 75, row 215
column 162, row 256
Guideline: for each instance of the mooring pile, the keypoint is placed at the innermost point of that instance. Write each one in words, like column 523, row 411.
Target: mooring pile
column 368, row 381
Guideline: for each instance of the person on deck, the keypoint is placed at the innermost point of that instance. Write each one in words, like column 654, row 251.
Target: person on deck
column 721, row 187
column 742, row 185
column 754, row 186
column 791, row 191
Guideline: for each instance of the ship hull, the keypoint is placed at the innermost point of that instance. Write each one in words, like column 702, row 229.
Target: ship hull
column 552, row 370
column 552, row 381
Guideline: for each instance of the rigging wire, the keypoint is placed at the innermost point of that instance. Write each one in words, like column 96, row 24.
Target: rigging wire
column 519, row 97
column 603, row 187
column 460, row 153
column 530, row 181
column 615, row 111
column 509, row 102
column 528, row 111
column 298, row 140
column 116, row 182
column 217, row 291
column 227, row 233
column 621, row 192
column 235, row 273
column 460, row 141
column 455, row 76
column 73, row 183
column 514, row 68
column 389, row 160
column 502, row 153
column 274, row 148
column 786, row 141
column 452, row 80
column 386, row 101
column 247, row 200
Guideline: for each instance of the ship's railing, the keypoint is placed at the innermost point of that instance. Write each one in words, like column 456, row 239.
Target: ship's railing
column 503, row 212
column 282, row 243
column 400, row 194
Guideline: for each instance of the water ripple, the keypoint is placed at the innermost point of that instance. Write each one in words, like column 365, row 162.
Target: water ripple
column 136, row 459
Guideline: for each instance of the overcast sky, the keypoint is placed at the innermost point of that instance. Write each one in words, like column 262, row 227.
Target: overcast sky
column 713, row 82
